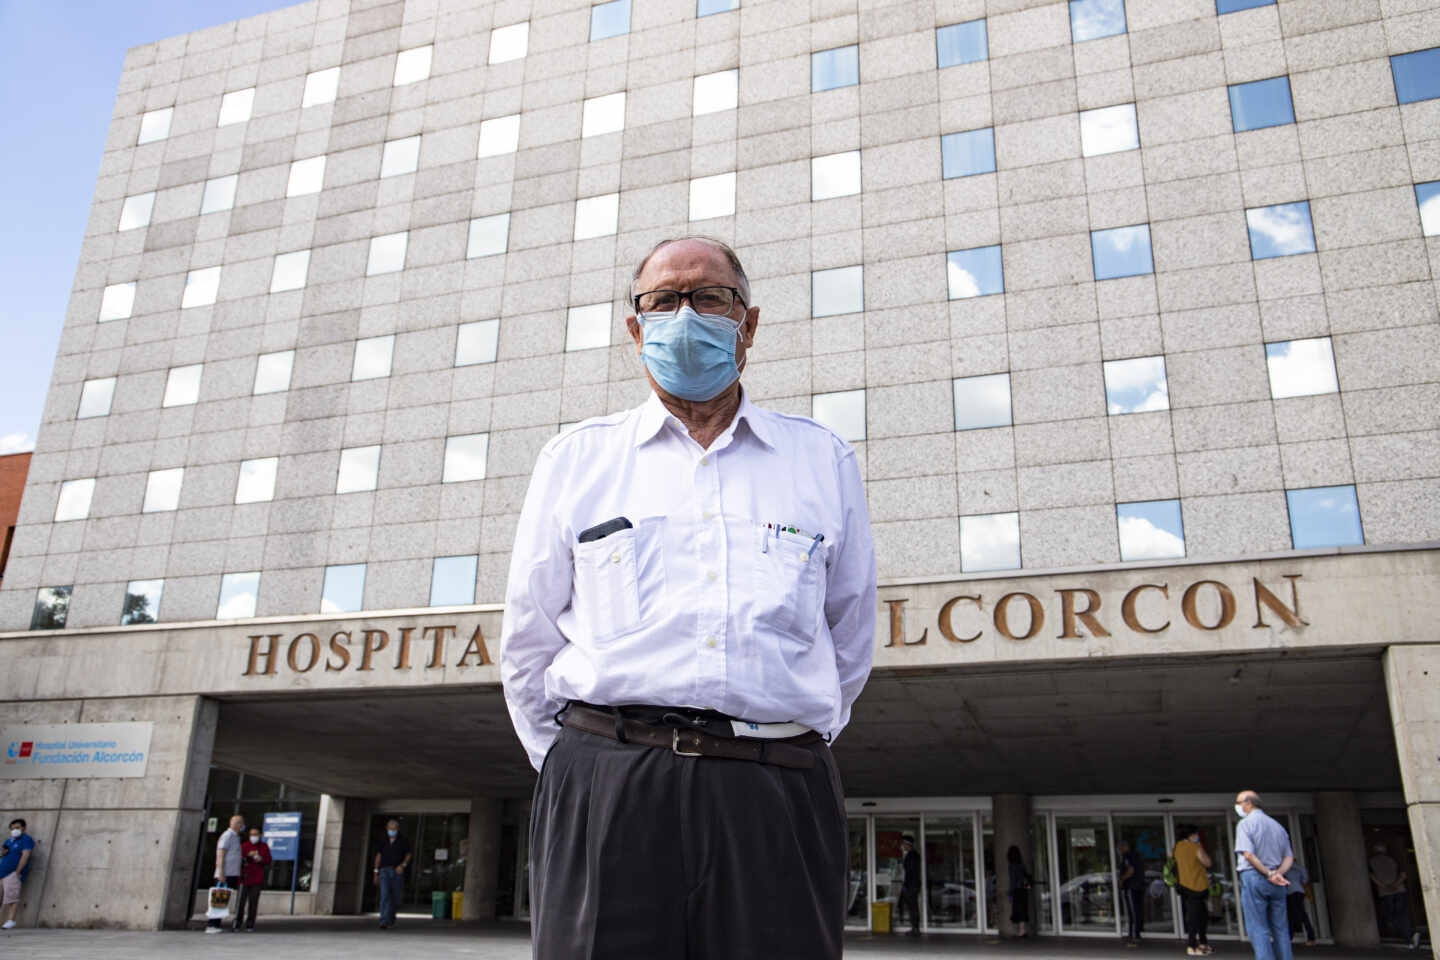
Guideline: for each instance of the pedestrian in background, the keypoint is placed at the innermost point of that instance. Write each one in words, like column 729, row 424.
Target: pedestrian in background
column 227, row 865
column 1295, row 910
column 391, row 862
column 1132, row 887
column 1263, row 856
column 1192, row 867
column 255, row 853
column 14, row 868
column 910, row 885
column 1394, row 896
column 1019, row 891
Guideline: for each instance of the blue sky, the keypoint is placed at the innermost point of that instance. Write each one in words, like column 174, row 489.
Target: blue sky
column 58, row 76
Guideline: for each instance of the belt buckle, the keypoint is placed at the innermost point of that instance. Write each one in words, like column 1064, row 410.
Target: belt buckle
column 675, row 745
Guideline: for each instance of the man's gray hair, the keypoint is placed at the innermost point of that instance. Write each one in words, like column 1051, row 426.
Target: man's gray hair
column 1253, row 797
column 741, row 281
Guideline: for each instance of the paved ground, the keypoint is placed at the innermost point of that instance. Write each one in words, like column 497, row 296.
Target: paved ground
column 355, row 938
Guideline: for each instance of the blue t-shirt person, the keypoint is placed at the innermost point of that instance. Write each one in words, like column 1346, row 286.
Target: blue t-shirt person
column 16, row 848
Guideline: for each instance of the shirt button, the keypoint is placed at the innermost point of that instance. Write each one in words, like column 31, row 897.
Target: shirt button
column 711, row 640
column 614, row 558
column 711, row 575
column 705, row 461
column 709, row 515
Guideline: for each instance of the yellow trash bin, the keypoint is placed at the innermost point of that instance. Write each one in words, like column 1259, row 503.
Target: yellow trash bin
column 880, row 917
column 457, row 903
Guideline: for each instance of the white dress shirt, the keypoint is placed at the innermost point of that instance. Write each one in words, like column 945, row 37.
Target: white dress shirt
column 704, row 602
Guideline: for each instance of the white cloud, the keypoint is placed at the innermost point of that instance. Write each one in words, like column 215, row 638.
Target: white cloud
column 241, row 605
column 962, row 282
column 1285, row 228
column 990, row 542
column 1142, row 540
column 18, row 442
column 1430, row 215
column 1301, row 368
column 1136, row 386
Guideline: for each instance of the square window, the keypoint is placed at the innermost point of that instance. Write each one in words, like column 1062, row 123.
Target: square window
column 488, row 236
column 1263, row 103
column 219, row 194
column 1109, row 130
column 413, row 65
column 704, row 8
column 387, row 253
column 1301, row 368
column 609, row 19
column 238, row 594
column 1417, row 75
column 968, row 153
column 597, row 216
column 712, row 196
column 982, row 402
column 344, row 589
column 843, row 412
column 290, row 271
column 835, row 175
column 1136, row 385
column 477, row 342
column 465, row 458
column 135, row 212
column 155, row 125
column 162, row 490
column 74, row 499
column 257, row 480
column 716, row 91
column 142, row 602
column 372, row 357
column 837, row 291
column 201, row 288
column 1150, row 530
column 272, row 371
column 961, row 43
column 974, row 273
column 52, row 606
column 588, row 327
column 1121, row 252
column 603, row 115
column 1231, row 6
column 235, row 107
column 838, row 67
column 306, row 176
column 1427, row 198
column 182, row 385
column 452, row 581
column 499, row 135
column 1324, row 517
column 400, row 156
column 1093, row 19
column 117, row 301
column 359, row 469
column 95, row 398
column 321, row 87
column 510, row 42
column 990, row 541
column 1280, row 231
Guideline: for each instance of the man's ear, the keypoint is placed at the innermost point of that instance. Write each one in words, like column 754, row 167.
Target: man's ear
column 637, row 334
column 748, row 326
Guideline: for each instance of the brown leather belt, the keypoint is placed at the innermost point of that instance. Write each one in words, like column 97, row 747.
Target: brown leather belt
column 687, row 742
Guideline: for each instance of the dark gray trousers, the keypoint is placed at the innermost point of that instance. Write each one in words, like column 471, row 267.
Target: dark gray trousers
column 638, row 853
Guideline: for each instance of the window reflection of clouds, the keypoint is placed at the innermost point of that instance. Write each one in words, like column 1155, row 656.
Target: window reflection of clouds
column 452, row 581
column 962, row 43
column 839, row 67
column 982, row 401
column 1150, row 530
column 974, row 273
column 1301, row 368
column 465, row 457
column 1324, row 517
column 1109, row 130
column 836, row 291
column 238, row 594
column 344, row 588
column 990, row 542
column 835, row 175
column 843, row 412
column 1136, row 386
column 1122, row 252
column 967, row 153
column 1280, row 231
column 1093, row 19
column 1427, row 197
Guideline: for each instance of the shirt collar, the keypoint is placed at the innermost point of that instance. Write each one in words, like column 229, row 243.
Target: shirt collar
column 654, row 416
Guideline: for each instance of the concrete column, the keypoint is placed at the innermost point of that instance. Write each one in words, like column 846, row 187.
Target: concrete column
column 340, row 874
column 1412, row 679
column 1011, row 815
column 482, row 861
column 1347, row 870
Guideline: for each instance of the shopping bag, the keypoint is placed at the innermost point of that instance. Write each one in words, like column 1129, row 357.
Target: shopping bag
column 221, row 899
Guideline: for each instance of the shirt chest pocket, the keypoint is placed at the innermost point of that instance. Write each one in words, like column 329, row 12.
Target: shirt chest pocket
column 619, row 580
column 788, row 584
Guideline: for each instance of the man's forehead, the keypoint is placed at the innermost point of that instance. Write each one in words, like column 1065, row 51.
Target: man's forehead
column 688, row 258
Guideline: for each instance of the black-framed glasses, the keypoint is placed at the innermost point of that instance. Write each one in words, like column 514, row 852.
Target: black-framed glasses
column 716, row 300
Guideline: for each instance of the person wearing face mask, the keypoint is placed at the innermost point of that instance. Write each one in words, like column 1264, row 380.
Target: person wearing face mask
column 1263, row 856
column 14, row 868
column 391, row 862
column 228, row 861
column 690, row 615
column 255, row 855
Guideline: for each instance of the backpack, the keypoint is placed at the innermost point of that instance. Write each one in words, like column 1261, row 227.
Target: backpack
column 1171, row 872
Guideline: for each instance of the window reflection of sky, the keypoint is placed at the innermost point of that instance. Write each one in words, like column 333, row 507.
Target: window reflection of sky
column 962, row 43
column 982, row 401
column 1427, row 197
column 452, row 582
column 238, row 594
column 1093, row 19
column 1280, row 231
column 1136, row 386
column 1324, row 517
column 1232, row 6
column 609, row 19
column 968, row 153
column 990, row 542
column 838, row 67
column 344, row 589
column 1122, row 252
column 1417, row 75
column 1301, row 368
column 843, row 412
column 1150, row 530
column 1263, row 103
column 974, row 273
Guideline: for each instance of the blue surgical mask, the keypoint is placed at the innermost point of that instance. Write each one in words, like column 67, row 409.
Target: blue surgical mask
column 1240, row 811
column 391, row 833
column 691, row 355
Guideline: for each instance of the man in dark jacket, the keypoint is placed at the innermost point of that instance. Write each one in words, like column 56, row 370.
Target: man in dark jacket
column 255, row 857
column 910, row 888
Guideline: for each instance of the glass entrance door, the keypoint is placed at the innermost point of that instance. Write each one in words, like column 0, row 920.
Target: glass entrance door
column 1146, row 836
column 857, row 911
column 951, row 892
column 1087, row 888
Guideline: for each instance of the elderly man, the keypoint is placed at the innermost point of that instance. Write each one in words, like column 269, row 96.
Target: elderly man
column 689, row 617
column 1263, row 855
